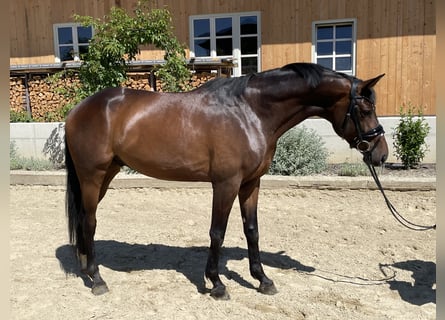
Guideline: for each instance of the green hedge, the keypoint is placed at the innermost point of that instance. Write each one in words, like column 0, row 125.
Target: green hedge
column 300, row 151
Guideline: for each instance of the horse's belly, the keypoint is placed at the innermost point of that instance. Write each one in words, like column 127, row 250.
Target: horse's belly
column 165, row 165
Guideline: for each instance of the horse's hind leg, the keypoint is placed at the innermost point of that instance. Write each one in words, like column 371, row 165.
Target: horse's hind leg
column 91, row 187
column 248, row 198
column 112, row 171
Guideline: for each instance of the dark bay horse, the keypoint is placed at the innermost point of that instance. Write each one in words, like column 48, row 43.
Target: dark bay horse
column 224, row 132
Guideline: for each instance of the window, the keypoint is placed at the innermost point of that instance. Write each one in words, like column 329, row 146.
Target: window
column 333, row 44
column 228, row 36
column 71, row 41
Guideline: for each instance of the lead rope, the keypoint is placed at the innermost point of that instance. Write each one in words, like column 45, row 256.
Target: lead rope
column 395, row 213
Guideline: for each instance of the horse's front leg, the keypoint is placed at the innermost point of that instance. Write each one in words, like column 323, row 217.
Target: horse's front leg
column 223, row 196
column 248, row 198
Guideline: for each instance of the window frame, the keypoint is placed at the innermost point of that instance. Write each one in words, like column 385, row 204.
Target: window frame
column 236, row 36
column 334, row 55
column 75, row 43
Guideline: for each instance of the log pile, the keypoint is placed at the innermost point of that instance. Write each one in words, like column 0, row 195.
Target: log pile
column 142, row 82
column 138, row 81
column 46, row 98
column 17, row 94
column 198, row 79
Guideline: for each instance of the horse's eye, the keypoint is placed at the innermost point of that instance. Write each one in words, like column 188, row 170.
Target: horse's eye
column 366, row 113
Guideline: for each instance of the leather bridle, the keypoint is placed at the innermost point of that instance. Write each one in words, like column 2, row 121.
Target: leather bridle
column 362, row 142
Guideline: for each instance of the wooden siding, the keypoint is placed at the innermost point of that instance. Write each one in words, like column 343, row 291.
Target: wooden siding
column 31, row 31
column 395, row 37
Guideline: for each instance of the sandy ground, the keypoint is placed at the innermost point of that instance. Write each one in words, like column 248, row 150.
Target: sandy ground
column 332, row 255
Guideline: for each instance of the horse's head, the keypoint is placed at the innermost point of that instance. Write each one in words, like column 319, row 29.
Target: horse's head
column 359, row 125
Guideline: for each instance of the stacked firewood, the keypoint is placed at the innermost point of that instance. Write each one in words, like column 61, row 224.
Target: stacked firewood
column 46, row 98
column 138, row 81
column 198, row 79
column 16, row 94
column 142, row 81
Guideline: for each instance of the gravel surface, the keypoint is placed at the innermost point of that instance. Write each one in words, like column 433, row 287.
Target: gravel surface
column 333, row 254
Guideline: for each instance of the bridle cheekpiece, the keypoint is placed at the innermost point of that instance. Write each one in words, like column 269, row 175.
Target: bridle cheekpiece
column 362, row 142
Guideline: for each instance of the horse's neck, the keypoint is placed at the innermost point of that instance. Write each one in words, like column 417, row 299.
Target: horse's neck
column 283, row 106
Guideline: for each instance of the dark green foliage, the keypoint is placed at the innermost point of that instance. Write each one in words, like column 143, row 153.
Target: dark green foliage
column 117, row 40
column 300, row 151
column 409, row 137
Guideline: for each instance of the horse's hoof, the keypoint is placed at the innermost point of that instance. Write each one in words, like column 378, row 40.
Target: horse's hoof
column 99, row 289
column 219, row 293
column 268, row 288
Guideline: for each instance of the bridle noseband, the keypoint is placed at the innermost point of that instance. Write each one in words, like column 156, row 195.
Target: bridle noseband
column 362, row 142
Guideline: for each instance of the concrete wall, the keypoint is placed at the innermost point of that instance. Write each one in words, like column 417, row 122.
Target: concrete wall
column 30, row 139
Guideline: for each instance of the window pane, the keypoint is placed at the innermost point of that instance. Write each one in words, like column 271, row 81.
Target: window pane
column 83, row 50
column 343, row 31
column 324, row 33
column 249, row 25
column 224, row 47
column 343, row 63
column 65, row 35
column 343, row 47
column 325, row 48
column 201, row 28
column 66, row 53
column 223, row 26
column 325, row 62
column 249, row 45
column 249, row 65
column 202, row 48
column 84, row 34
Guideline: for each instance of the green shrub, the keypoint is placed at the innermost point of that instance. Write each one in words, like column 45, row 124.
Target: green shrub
column 17, row 162
column 14, row 161
column 54, row 147
column 300, row 151
column 409, row 137
column 353, row 170
column 19, row 116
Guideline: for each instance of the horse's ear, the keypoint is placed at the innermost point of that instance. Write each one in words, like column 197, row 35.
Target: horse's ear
column 368, row 84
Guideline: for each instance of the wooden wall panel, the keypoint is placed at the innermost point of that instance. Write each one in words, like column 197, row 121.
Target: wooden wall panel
column 395, row 37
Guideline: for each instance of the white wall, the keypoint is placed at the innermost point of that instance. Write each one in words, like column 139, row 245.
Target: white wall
column 30, row 139
column 340, row 151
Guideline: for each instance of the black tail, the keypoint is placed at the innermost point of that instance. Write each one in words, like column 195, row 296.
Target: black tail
column 73, row 200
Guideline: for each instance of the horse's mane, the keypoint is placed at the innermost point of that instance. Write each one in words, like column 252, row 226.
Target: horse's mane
column 313, row 73
column 233, row 86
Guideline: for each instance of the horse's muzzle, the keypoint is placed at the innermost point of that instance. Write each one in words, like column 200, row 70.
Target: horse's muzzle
column 372, row 155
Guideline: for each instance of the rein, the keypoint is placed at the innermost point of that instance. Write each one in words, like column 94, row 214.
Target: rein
column 403, row 221
column 363, row 145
